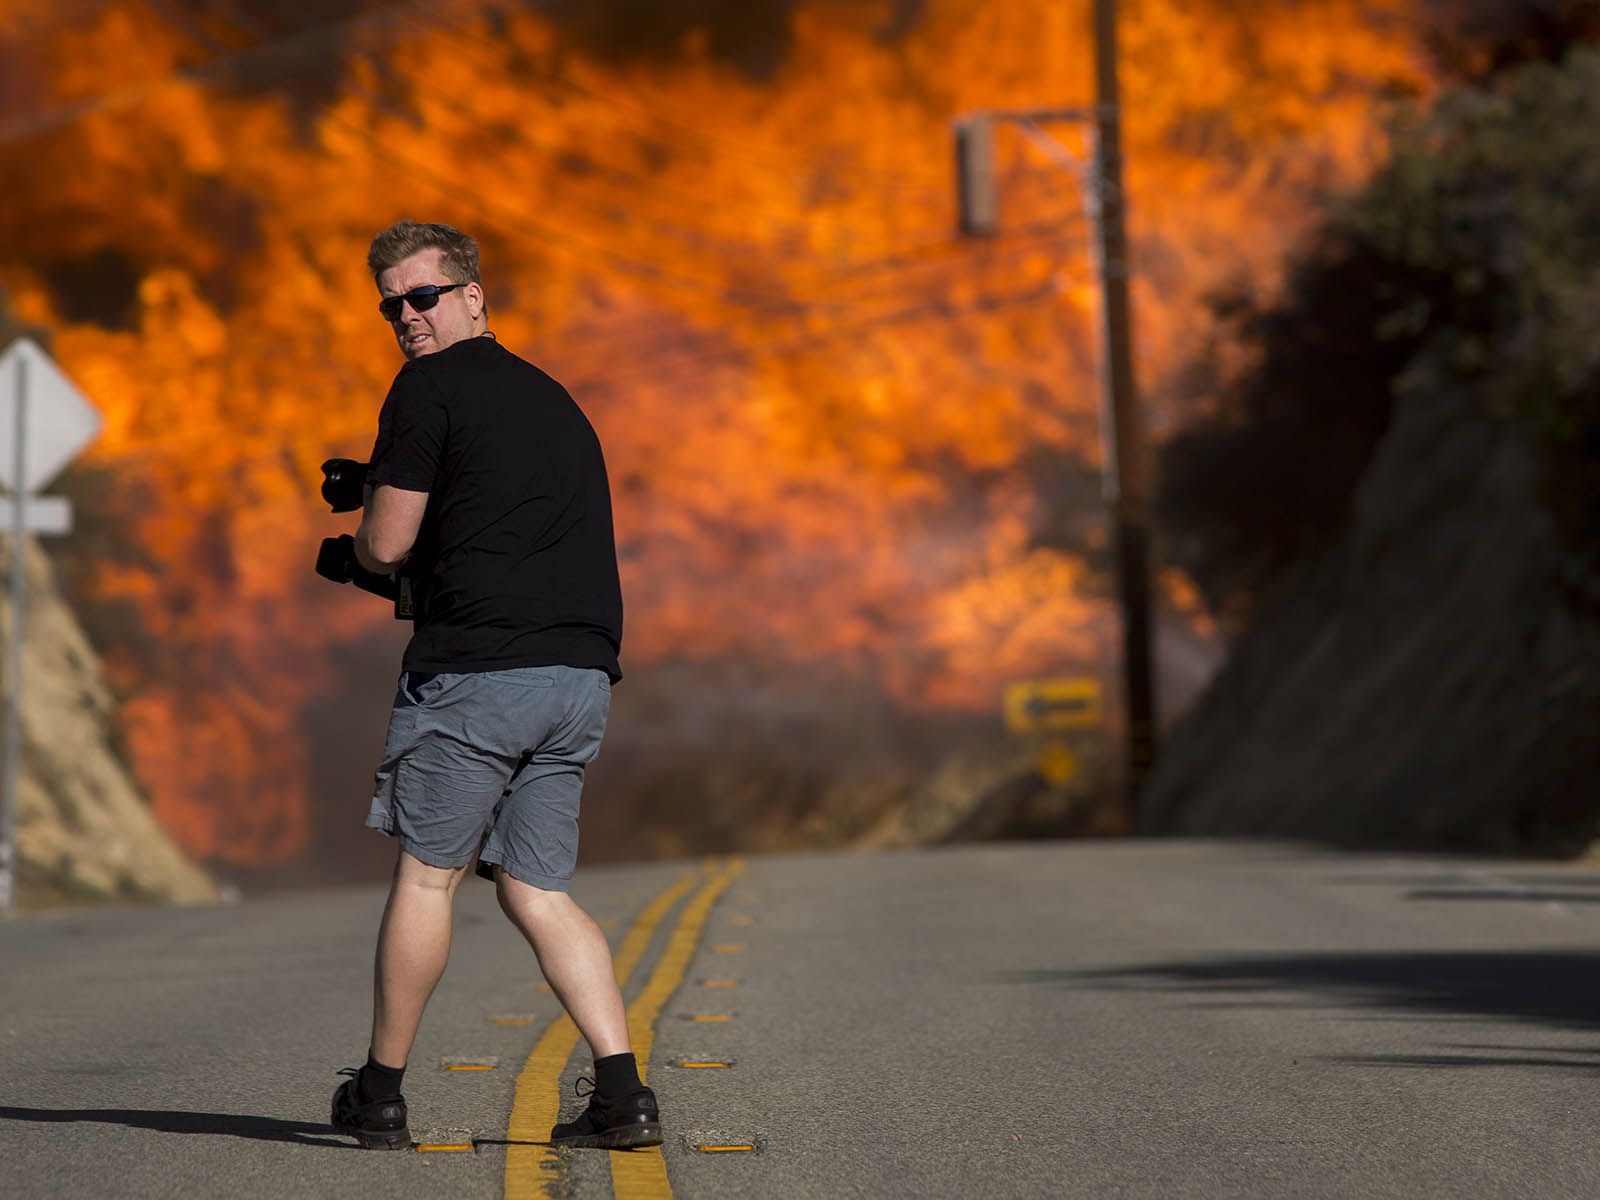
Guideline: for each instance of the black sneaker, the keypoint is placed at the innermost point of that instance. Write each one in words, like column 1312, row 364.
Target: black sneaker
column 612, row 1122
column 380, row 1125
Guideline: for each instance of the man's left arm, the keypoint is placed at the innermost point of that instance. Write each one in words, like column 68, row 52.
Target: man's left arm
column 389, row 524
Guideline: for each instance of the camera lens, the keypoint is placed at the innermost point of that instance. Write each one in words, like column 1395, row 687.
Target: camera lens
column 342, row 482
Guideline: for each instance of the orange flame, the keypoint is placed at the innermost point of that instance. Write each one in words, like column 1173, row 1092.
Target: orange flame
column 827, row 418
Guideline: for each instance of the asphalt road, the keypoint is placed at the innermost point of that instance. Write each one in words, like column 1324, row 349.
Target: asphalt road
column 1049, row 1019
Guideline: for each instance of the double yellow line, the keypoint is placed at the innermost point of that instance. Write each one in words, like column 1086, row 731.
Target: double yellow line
column 638, row 1174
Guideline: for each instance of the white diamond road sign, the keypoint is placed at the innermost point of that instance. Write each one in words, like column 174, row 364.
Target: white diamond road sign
column 60, row 421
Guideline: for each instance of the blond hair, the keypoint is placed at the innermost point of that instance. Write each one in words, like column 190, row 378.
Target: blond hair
column 458, row 252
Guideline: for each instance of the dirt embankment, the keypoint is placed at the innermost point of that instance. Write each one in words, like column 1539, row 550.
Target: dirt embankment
column 1432, row 677
column 84, row 832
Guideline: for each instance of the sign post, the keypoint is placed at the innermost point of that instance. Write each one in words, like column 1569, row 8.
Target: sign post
column 50, row 421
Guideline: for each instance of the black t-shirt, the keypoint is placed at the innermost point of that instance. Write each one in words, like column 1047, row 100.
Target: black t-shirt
column 515, row 564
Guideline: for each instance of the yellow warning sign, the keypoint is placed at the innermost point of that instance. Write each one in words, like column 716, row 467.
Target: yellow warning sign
column 1035, row 705
column 1057, row 764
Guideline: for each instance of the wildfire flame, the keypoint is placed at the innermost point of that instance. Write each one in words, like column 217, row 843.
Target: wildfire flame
column 835, row 431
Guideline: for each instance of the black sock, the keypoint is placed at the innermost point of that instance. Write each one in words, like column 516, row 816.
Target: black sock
column 378, row 1082
column 616, row 1074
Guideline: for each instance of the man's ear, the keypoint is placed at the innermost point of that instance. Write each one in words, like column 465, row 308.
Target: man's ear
column 475, row 299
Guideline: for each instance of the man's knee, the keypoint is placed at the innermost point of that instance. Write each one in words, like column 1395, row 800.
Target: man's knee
column 516, row 897
column 411, row 871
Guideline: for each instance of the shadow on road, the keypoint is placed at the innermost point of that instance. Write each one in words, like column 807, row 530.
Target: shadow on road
column 1502, row 1055
column 1459, row 1060
column 1547, row 988
column 1517, row 886
column 1591, row 880
column 1528, row 895
column 220, row 1124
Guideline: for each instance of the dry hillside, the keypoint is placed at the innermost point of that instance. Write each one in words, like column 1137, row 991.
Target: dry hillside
column 84, row 833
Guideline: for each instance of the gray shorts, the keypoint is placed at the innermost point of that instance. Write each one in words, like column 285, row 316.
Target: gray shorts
column 496, row 753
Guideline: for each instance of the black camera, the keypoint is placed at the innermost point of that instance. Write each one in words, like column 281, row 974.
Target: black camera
column 344, row 482
column 336, row 560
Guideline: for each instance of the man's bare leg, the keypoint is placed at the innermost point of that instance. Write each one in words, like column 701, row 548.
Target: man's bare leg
column 575, row 958
column 413, row 947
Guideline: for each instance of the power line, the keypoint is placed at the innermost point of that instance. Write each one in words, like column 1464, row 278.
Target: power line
column 789, row 306
column 941, row 310
column 604, row 345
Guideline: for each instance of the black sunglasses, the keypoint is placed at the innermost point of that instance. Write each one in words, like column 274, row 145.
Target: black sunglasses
column 421, row 299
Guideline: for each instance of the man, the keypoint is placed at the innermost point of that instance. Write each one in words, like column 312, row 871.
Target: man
column 487, row 483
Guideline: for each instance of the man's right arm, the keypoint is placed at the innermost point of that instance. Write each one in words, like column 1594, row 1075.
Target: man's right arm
column 405, row 460
column 389, row 525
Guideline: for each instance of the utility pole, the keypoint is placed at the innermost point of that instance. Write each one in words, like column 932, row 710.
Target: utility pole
column 1125, row 477
column 1123, row 474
